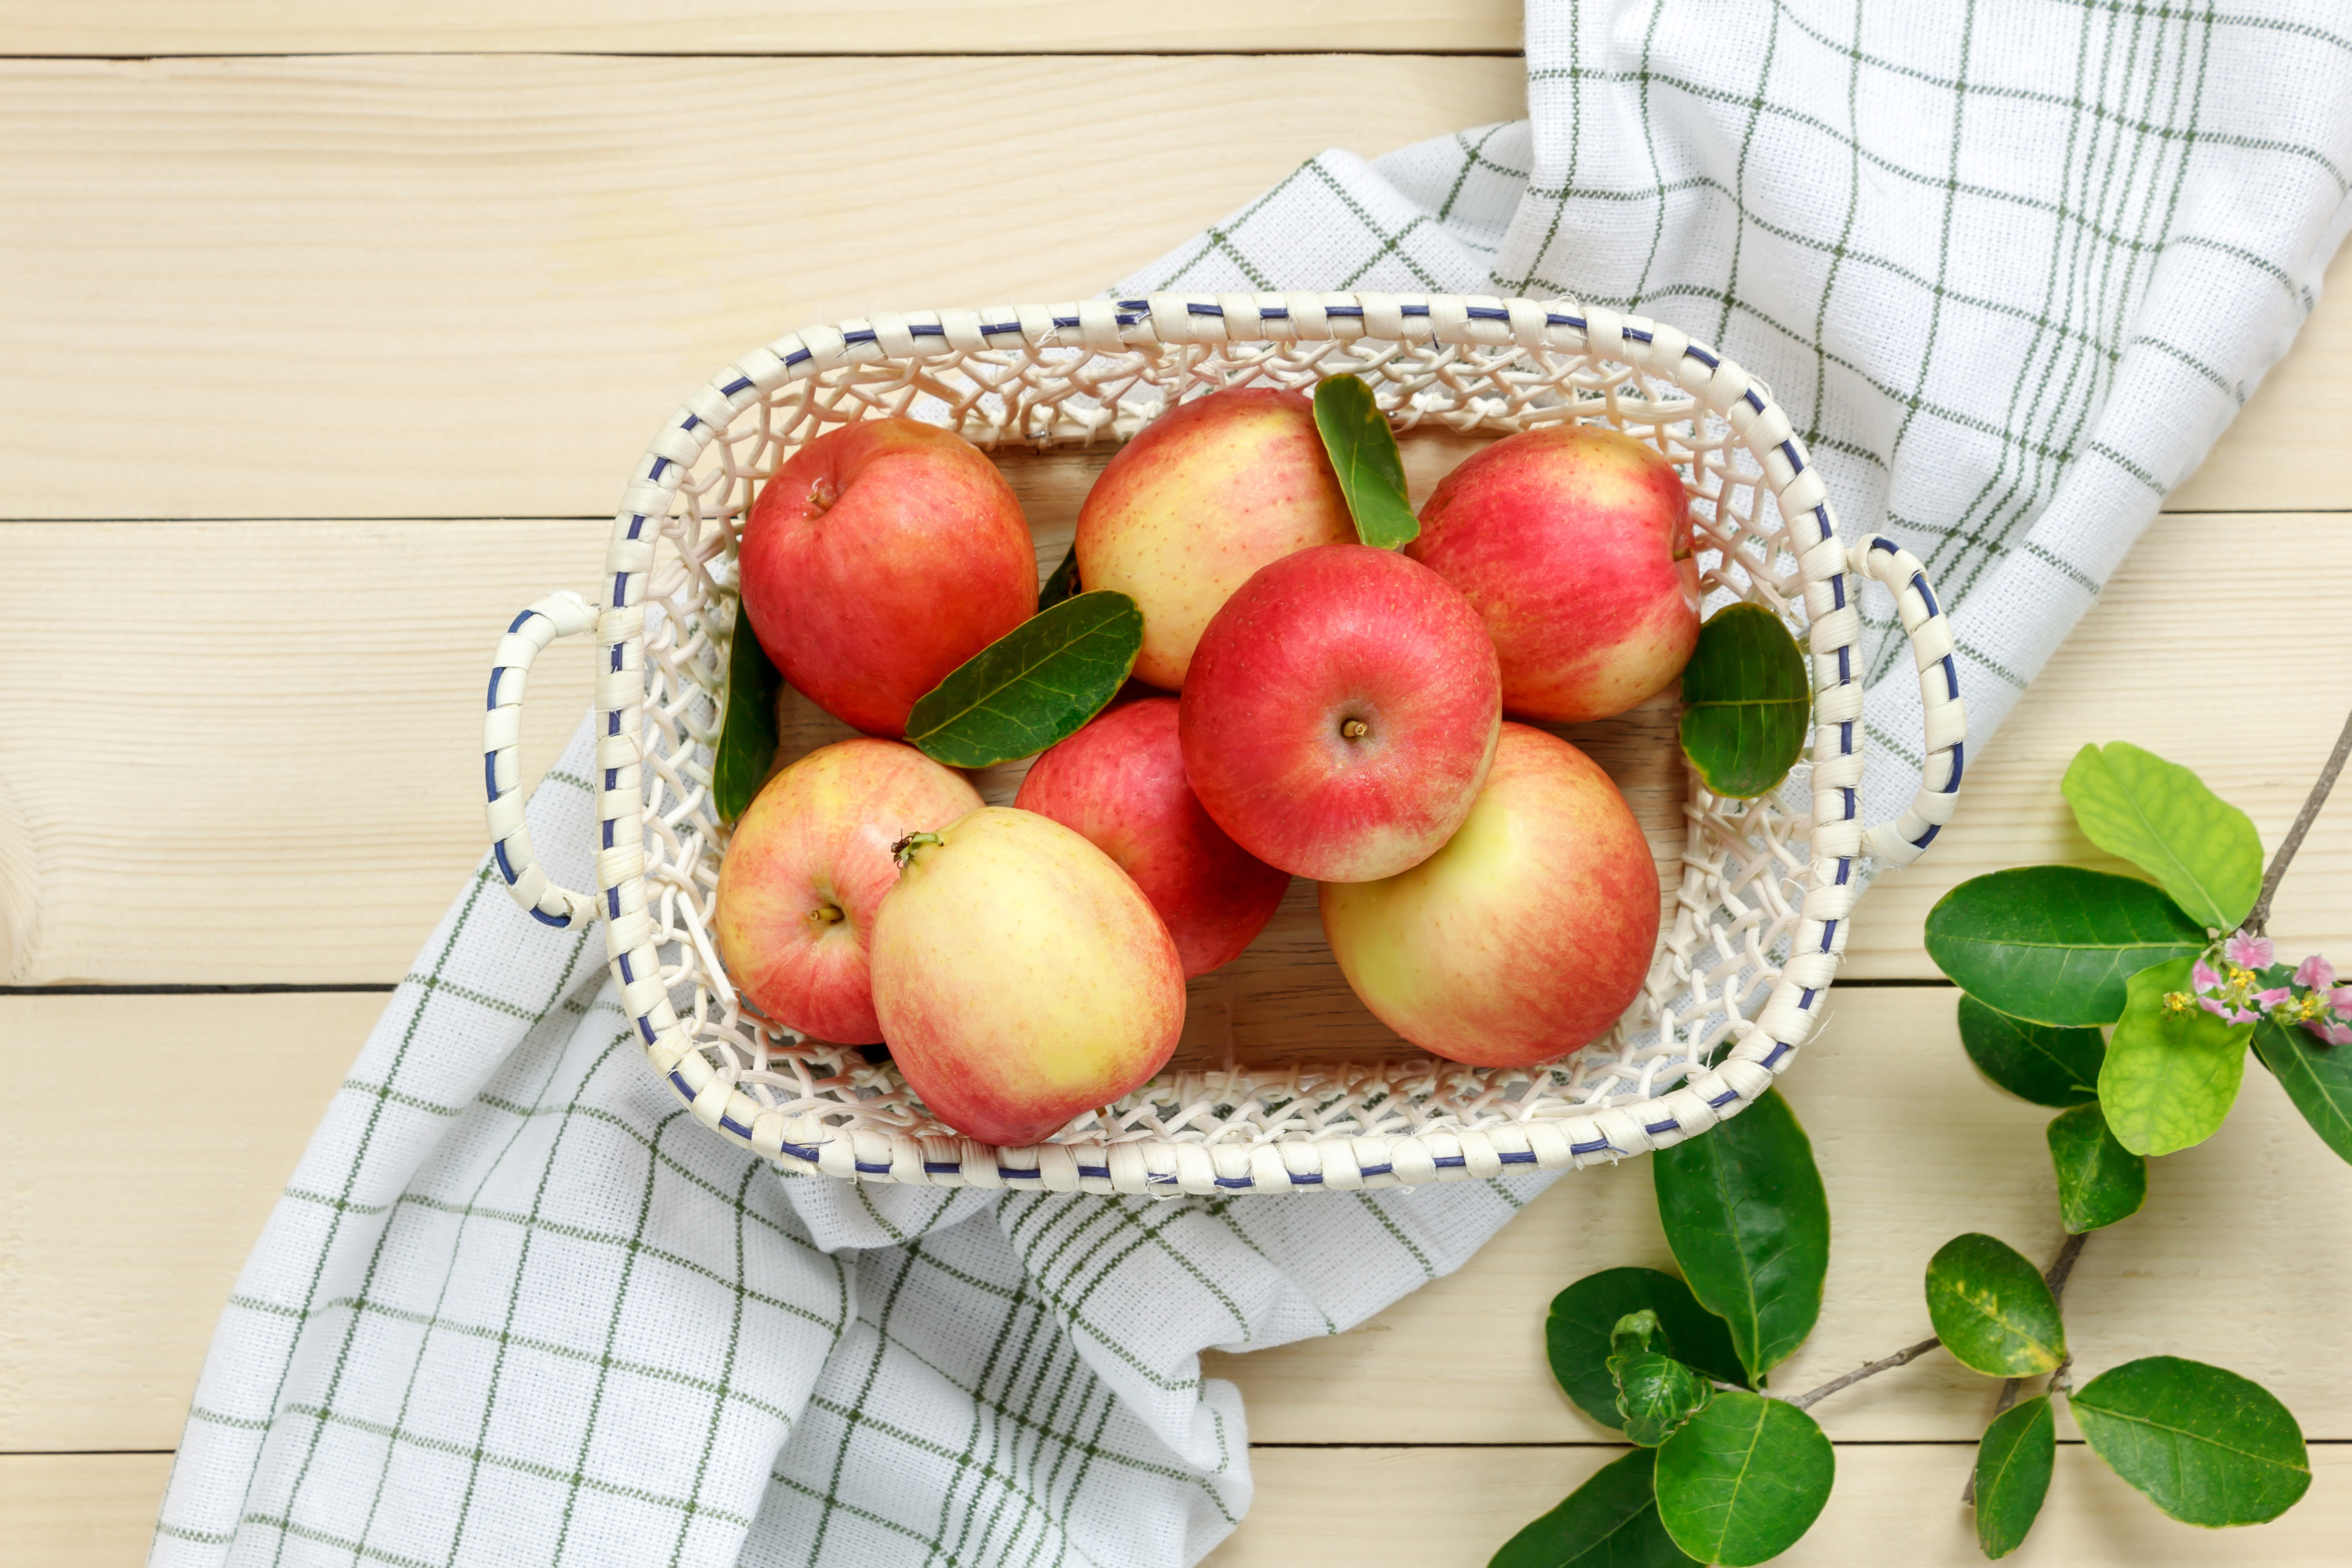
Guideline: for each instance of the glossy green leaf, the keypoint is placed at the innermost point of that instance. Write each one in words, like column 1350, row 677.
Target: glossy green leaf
column 1992, row 1308
column 1577, row 1333
column 1363, row 452
column 1610, row 1521
column 2099, row 1180
column 2053, row 944
column 1035, row 685
column 2169, row 1079
column 2207, row 1445
column 2161, row 817
column 1743, row 1479
column 1747, row 698
column 2316, row 1076
column 1745, row 1215
column 747, row 731
column 1063, row 583
column 1656, row 1392
column 2014, row 1459
column 2036, row 1062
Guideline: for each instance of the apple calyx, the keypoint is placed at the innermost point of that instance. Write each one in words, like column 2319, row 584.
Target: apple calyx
column 826, row 915
column 1354, row 730
column 822, row 494
column 904, row 850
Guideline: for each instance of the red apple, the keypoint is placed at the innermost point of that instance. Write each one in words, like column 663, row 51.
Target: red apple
column 881, row 556
column 1341, row 713
column 1574, row 542
column 1528, row 935
column 807, row 868
column 1205, row 495
column 1120, row 783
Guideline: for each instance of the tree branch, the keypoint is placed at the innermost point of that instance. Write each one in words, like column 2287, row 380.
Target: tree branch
column 2056, row 1280
column 2259, row 918
column 1888, row 1363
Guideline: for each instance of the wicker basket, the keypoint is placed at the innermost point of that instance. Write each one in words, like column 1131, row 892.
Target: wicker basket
column 1761, row 917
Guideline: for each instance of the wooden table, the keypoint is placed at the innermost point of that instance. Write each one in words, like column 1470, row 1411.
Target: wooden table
column 327, row 340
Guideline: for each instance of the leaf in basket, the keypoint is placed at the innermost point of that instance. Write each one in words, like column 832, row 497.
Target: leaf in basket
column 1992, row 1308
column 2169, row 1079
column 2054, row 945
column 2014, row 1459
column 2099, row 1180
column 1745, row 698
column 1583, row 1316
column 1744, row 1479
column 2161, row 817
column 1035, row 685
column 747, row 736
column 2052, row 1067
column 1363, row 452
column 1610, row 1521
column 2317, row 1077
column 1749, row 1221
column 2203, row 1444
column 1063, row 583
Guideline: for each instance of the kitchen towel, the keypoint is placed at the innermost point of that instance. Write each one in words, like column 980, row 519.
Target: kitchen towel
column 2010, row 266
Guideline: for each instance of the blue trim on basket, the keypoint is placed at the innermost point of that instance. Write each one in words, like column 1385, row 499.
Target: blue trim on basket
column 645, row 1027
column 1376, row 1170
column 1847, row 791
column 1845, row 671
column 516, row 624
column 944, row 1167
column 506, row 867
column 1821, row 521
column 1000, row 327
column 1595, row 1147
column 543, row 918
column 1700, row 354
column 1516, row 1156
column 635, row 523
column 1788, row 450
column 925, row 329
column 1488, row 313
column 1845, row 737
column 1011, row 1173
column 661, row 467
column 1954, row 781
column 1636, row 333
column 613, row 901
column 1951, row 678
column 798, row 356
column 611, row 779
column 1829, row 934
column 690, row 422
column 616, row 657
column 608, row 833
column 861, row 335
column 1720, row 1101
column 1927, row 838
column 1668, row 1125
column 1449, row 1162
column 1807, row 999
column 873, row 1168
column 628, row 978
column 496, row 670
column 613, row 722
column 620, row 590
column 1095, row 1173
column 490, row 775
column 741, row 384
column 1920, row 586
column 1837, row 591
column 1880, row 542
column 1843, row 863
column 1754, row 399
column 1780, row 1048
column 729, row 1124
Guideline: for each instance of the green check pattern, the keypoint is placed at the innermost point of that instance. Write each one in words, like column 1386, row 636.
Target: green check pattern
column 2010, row 266
column 517, row 1307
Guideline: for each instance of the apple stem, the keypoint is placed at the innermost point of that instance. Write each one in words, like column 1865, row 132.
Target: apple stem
column 826, row 915
column 1355, row 728
column 904, row 850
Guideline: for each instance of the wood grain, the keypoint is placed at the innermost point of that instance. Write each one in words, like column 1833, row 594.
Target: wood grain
column 2240, row 1239
column 119, row 1249
column 315, row 686
column 463, row 285
column 124, row 28
column 80, row 1510
column 1451, row 1507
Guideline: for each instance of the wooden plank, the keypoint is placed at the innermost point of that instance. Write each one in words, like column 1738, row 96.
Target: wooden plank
column 80, row 1510
column 119, row 1249
column 463, row 285
column 128, row 27
column 117, row 1267
column 325, row 765
column 1451, row 1507
column 2236, row 1260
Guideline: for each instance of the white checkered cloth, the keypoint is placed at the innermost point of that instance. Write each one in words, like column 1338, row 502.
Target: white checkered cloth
column 2010, row 266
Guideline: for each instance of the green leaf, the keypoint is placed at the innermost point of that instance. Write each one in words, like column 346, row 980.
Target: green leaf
column 2052, row 1067
column 1743, row 1479
column 2053, row 944
column 1656, row 1392
column 1747, row 696
column 2317, row 1077
column 2207, row 1445
column 2161, row 817
column 1035, row 685
column 1610, row 1521
column 2099, row 1180
column 1363, row 452
column 1063, row 583
column 747, row 733
column 2014, row 1459
column 2169, row 1079
column 1583, row 1316
column 1992, row 1310
column 1744, row 1213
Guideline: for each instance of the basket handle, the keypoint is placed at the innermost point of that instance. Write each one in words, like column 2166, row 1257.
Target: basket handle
column 1945, row 716
column 559, row 614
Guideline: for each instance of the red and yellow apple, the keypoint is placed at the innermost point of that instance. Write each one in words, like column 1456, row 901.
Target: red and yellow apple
column 1574, row 542
column 1528, row 935
column 1021, row 976
column 1205, row 495
column 1341, row 713
column 806, row 871
column 882, row 555
column 1120, row 783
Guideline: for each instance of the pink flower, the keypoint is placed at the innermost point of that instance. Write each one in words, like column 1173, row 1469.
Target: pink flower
column 2316, row 972
column 2204, row 979
column 2276, row 996
column 2342, row 1000
column 2250, row 952
column 2332, row 1030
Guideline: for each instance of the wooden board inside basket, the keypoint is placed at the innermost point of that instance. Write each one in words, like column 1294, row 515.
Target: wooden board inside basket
column 1285, row 999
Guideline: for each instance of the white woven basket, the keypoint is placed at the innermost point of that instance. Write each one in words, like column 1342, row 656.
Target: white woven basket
column 1767, row 886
